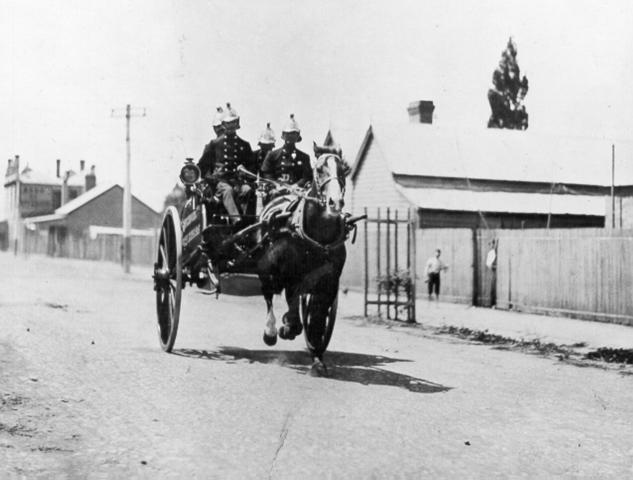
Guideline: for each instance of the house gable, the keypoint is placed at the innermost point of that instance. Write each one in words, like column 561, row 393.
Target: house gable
column 107, row 210
column 373, row 184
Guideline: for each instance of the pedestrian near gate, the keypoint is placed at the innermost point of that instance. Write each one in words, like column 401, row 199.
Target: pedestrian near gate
column 433, row 269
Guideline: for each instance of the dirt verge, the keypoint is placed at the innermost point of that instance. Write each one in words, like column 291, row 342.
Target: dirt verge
column 619, row 359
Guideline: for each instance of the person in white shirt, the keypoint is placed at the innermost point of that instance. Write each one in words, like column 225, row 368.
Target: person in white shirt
column 432, row 271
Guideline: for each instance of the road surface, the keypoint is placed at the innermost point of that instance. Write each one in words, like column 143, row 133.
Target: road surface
column 86, row 392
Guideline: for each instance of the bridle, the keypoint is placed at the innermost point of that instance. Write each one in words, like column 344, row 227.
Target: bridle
column 320, row 184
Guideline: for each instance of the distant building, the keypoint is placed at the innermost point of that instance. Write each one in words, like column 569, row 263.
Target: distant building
column 72, row 229
column 488, row 178
column 29, row 193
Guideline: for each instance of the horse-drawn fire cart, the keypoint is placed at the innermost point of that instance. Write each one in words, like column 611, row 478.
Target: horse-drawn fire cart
column 201, row 245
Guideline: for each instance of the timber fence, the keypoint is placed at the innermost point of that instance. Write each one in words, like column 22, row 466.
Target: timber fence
column 583, row 273
column 101, row 247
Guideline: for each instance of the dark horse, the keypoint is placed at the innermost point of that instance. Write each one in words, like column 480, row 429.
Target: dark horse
column 306, row 256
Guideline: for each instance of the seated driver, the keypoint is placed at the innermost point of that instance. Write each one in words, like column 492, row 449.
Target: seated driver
column 220, row 160
column 288, row 164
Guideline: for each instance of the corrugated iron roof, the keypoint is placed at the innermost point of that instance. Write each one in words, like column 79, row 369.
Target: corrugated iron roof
column 90, row 195
column 503, row 202
column 81, row 200
column 63, row 211
column 75, row 203
column 421, row 149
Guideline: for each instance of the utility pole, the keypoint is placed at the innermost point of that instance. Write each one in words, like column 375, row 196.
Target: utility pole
column 613, row 186
column 127, row 191
column 17, row 242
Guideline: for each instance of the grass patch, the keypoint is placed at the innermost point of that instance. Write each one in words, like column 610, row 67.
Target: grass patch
column 612, row 355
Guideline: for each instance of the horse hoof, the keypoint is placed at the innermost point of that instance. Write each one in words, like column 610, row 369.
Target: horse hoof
column 318, row 369
column 285, row 333
column 270, row 340
column 289, row 332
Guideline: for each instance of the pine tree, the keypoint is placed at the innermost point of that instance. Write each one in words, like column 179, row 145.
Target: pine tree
column 508, row 91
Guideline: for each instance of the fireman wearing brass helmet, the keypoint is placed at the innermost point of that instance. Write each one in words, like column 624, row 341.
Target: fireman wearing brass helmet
column 218, row 129
column 217, row 122
column 288, row 164
column 266, row 143
column 220, row 161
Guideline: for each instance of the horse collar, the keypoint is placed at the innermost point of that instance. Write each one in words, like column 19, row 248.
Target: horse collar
column 297, row 222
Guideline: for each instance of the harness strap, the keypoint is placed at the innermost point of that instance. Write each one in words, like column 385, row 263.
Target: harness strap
column 296, row 226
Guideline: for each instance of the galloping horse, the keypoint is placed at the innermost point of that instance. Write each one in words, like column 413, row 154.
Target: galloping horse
column 307, row 254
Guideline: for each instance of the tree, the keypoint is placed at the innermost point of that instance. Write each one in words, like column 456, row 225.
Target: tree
column 507, row 93
column 176, row 198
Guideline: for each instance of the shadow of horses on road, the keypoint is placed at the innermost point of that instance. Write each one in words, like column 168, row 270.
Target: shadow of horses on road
column 342, row 366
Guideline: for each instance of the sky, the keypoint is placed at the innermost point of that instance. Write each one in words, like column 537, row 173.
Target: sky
column 65, row 65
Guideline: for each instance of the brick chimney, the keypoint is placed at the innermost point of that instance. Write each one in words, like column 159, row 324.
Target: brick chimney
column 421, row 111
column 65, row 187
column 59, row 163
column 91, row 178
column 82, row 165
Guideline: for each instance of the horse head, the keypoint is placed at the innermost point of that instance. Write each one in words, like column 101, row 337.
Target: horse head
column 329, row 171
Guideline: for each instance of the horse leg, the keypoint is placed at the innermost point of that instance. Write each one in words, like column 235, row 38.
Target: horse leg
column 318, row 312
column 318, row 368
column 321, row 302
column 270, row 331
column 291, row 322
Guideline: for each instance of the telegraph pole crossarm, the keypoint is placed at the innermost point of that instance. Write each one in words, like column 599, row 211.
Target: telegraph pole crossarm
column 127, row 191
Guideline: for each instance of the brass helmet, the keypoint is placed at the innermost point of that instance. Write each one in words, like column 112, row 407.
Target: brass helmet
column 231, row 117
column 267, row 137
column 219, row 116
column 292, row 127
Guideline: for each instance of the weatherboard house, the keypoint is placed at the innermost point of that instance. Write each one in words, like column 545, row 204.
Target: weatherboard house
column 29, row 192
column 72, row 228
column 486, row 179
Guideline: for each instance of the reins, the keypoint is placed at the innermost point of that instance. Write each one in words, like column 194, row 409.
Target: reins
column 314, row 194
column 321, row 184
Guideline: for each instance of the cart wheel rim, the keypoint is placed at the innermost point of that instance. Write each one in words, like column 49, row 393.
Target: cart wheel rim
column 168, row 291
column 306, row 320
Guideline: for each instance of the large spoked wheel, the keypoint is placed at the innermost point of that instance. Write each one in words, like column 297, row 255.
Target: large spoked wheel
column 168, row 278
column 317, row 331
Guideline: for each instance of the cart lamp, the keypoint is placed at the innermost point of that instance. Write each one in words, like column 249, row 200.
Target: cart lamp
column 189, row 174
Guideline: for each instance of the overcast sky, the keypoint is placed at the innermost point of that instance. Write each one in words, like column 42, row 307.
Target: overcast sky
column 66, row 64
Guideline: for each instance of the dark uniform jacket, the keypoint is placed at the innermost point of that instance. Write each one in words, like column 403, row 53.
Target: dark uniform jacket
column 259, row 156
column 223, row 155
column 288, row 166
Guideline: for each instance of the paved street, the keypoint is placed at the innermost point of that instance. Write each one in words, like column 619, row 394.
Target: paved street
column 86, row 392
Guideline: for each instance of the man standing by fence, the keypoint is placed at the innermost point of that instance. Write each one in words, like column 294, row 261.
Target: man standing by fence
column 432, row 271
